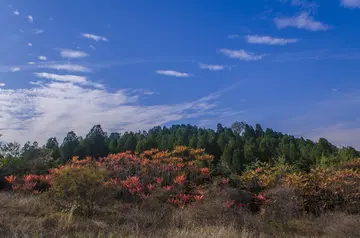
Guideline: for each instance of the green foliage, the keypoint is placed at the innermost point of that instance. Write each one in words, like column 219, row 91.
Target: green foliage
column 238, row 147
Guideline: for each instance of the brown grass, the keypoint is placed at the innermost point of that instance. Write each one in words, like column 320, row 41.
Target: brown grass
column 31, row 216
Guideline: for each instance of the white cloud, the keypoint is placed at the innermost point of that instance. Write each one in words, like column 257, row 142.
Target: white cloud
column 37, row 31
column 29, row 44
column 241, row 55
column 67, row 67
column 63, row 78
column 173, row 73
column 212, row 67
column 2, row 84
column 15, row 69
column 31, row 62
column 233, row 36
column 75, row 79
column 94, row 37
column 54, row 108
column 16, row 12
column 268, row 40
column 304, row 4
column 65, row 53
column 302, row 21
column 351, row 3
column 92, row 47
column 30, row 19
column 41, row 57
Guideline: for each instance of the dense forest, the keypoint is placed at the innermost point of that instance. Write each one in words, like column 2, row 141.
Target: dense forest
column 236, row 149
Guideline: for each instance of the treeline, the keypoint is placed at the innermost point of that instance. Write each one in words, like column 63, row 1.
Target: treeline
column 235, row 149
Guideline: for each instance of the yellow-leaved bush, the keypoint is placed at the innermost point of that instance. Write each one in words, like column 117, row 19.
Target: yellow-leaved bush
column 79, row 186
column 327, row 189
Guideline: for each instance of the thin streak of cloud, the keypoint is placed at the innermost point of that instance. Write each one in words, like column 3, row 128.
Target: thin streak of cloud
column 37, row 31
column 268, row 40
column 302, row 21
column 16, row 12
column 30, row 44
column 82, row 80
column 94, row 37
column 66, row 67
column 173, row 73
column 73, row 54
column 241, row 55
column 2, row 84
column 212, row 67
column 351, row 3
column 63, row 78
column 42, row 57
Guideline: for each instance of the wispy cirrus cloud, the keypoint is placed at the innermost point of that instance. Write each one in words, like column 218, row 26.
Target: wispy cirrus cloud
column 63, row 78
column 2, row 84
column 31, row 62
column 212, row 67
column 302, row 21
column 304, row 4
column 30, row 44
column 241, row 55
column 94, row 37
column 37, row 31
column 16, row 12
column 72, row 54
column 268, row 40
column 31, row 111
column 173, row 73
column 30, row 19
column 42, row 57
column 75, row 79
column 66, row 67
column 351, row 3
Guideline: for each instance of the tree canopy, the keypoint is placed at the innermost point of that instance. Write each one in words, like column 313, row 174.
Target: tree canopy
column 237, row 147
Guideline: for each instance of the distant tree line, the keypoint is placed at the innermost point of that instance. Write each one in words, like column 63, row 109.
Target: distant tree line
column 236, row 149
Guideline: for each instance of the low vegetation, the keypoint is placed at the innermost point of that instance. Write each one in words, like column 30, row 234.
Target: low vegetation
column 181, row 181
column 180, row 193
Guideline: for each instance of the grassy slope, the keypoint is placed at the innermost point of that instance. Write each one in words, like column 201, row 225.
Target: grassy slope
column 30, row 216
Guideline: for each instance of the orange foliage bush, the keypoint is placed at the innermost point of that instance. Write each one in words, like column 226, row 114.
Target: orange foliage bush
column 266, row 177
column 327, row 189
column 133, row 177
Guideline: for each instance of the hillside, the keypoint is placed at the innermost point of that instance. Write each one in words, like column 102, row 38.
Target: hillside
column 179, row 193
column 236, row 149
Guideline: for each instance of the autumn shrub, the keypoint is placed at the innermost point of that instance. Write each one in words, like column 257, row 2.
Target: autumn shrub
column 284, row 204
column 267, row 177
column 353, row 164
column 327, row 190
column 79, row 186
column 30, row 183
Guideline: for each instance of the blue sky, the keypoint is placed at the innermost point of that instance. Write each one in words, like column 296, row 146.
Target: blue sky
column 291, row 65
